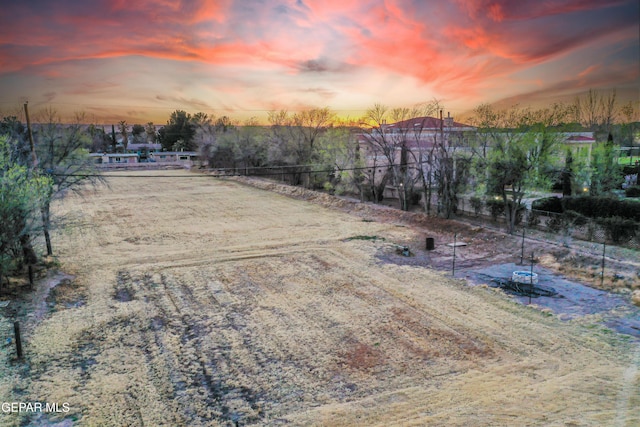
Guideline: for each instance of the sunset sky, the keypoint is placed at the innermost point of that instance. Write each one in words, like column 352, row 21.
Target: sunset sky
column 140, row 60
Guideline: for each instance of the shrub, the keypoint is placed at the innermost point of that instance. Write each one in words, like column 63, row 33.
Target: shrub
column 477, row 204
column 603, row 207
column 533, row 220
column 496, row 207
column 414, row 197
column 633, row 191
column 576, row 218
column 329, row 188
column 619, row 229
column 548, row 204
column 557, row 223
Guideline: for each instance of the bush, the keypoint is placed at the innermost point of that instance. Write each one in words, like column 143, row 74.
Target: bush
column 618, row 229
column 557, row 223
column 522, row 209
column 496, row 207
column 633, row 191
column 477, row 204
column 590, row 206
column 533, row 220
column 576, row 218
column 603, row 207
column 548, row 204
column 415, row 197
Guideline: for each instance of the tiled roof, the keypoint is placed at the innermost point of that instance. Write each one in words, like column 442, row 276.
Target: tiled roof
column 580, row 138
column 426, row 123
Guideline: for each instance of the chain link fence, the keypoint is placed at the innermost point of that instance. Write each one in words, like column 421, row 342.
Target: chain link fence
column 611, row 232
column 623, row 233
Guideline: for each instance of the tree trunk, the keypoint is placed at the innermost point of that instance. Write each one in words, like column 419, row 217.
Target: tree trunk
column 28, row 254
column 429, row 193
column 46, row 224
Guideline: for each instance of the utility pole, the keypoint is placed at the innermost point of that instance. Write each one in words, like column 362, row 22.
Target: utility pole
column 531, row 279
column 522, row 248
column 16, row 331
column 34, row 165
column 455, row 243
column 34, row 157
column 604, row 252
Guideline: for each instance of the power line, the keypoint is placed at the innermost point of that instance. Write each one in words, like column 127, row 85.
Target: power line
column 235, row 173
column 238, row 110
column 150, row 107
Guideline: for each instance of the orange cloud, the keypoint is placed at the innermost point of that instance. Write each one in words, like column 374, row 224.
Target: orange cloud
column 306, row 51
column 495, row 12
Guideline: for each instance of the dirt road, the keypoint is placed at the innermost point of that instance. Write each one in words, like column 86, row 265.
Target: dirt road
column 206, row 302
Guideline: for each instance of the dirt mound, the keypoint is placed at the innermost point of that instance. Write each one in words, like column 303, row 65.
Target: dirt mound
column 368, row 210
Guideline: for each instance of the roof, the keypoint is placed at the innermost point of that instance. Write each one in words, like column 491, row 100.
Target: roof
column 113, row 154
column 426, row 123
column 580, row 138
column 141, row 146
column 179, row 153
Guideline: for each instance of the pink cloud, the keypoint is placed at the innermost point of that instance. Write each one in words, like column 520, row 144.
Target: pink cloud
column 318, row 49
column 495, row 12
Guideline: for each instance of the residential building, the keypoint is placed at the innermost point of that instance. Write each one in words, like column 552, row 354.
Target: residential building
column 114, row 158
column 580, row 144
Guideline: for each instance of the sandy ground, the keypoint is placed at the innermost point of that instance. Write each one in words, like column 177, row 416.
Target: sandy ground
column 199, row 301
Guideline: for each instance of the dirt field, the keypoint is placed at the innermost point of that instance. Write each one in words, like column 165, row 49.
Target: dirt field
column 199, row 302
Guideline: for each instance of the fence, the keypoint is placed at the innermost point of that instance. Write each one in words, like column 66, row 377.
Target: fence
column 566, row 226
column 614, row 232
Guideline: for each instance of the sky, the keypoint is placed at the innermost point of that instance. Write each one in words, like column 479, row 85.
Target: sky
column 140, row 60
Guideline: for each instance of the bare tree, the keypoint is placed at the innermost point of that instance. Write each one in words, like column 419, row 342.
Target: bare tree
column 406, row 147
column 424, row 150
column 122, row 127
column 294, row 139
column 630, row 122
column 379, row 143
column 307, row 126
column 204, row 138
column 251, row 149
column 62, row 155
column 338, row 153
column 152, row 134
column 390, row 141
column 596, row 111
column 451, row 167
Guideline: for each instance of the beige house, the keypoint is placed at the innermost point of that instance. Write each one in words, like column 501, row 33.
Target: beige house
column 114, row 158
column 581, row 145
column 181, row 158
column 417, row 137
column 173, row 157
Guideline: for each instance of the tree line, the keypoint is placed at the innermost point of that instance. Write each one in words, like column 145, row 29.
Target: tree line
column 502, row 155
column 499, row 157
column 37, row 166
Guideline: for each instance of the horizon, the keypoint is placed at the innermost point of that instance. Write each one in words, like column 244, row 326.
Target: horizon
column 140, row 62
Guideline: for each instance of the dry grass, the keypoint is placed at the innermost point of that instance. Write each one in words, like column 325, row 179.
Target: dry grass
column 581, row 262
column 207, row 302
column 636, row 297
